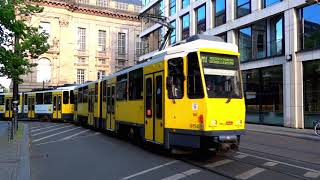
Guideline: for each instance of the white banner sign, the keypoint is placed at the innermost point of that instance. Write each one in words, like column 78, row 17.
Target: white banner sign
column 43, row 108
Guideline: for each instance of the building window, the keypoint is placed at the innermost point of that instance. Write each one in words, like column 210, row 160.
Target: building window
column 81, row 39
column 223, row 36
column 43, row 70
column 267, row 3
column 276, row 36
column 80, row 76
column 102, row 61
column 101, row 3
column 83, row 1
column 81, row 60
column 263, row 89
column 311, row 92
column 310, row 27
column 201, row 19
column 245, row 44
column 121, row 43
column 220, row 12
column 185, row 3
column 102, row 41
column 122, row 6
column 243, row 7
column 138, row 48
column 185, row 26
column 172, row 6
column 100, row 74
column 259, row 43
column 44, row 27
column 173, row 34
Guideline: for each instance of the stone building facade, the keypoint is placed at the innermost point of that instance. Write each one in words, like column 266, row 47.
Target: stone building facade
column 87, row 38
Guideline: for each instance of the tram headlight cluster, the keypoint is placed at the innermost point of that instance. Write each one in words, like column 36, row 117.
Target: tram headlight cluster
column 213, row 123
column 239, row 122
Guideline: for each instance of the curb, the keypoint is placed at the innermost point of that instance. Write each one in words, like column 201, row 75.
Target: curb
column 306, row 137
column 24, row 165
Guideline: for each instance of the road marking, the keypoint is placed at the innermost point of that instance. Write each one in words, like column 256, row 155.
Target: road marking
column 241, row 156
column 69, row 137
column 55, row 134
column 43, row 132
column 151, row 169
column 35, row 130
column 60, row 140
column 279, row 162
column 219, row 163
column 270, row 164
column 250, row 173
column 182, row 175
column 311, row 174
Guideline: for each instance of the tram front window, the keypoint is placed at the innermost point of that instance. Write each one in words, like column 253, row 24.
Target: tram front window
column 222, row 83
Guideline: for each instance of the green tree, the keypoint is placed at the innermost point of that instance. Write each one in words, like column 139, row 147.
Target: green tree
column 19, row 42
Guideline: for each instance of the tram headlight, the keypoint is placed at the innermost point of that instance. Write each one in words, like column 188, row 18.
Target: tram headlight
column 213, row 123
column 239, row 122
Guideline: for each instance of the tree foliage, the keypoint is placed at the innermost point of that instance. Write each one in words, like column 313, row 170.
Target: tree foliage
column 19, row 42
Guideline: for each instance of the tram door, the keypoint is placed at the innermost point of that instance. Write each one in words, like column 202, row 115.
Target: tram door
column 9, row 107
column 154, row 124
column 57, row 106
column 111, row 107
column 31, row 106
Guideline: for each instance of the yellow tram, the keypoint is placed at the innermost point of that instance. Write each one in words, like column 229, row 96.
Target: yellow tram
column 189, row 95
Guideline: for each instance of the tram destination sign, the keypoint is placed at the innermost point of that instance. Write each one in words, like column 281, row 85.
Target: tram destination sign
column 218, row 59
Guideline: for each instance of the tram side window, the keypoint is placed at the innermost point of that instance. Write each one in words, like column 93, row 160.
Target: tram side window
column 48, row 98
column 112, row 98
column 8, row 107
column 39, row 98
column 75, row 98
column 149, row 97
column 136, row 84
column 104, row 91
column 159, row 97
column 194, row 82
column 175, row 78
column 85, row 94
column 65, row 97
column 96, row 92
column 1, row 99
column 26, row 99
column 72, row 98
column 121, row 88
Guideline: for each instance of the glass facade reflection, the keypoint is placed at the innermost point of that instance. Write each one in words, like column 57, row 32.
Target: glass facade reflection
column 220, row 12
column 310, row 27
column 185, row 3
column 173, row 34
column 259, row 37
column 243, row 7
column 185, row 26
column 267, row 3
column 172, row 7
column 311, row 90
column 263, row 89
column 201, row 19
column 276, row 36
column 245, row 44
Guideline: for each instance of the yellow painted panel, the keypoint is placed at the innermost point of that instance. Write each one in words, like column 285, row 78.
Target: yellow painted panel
column 130, row 111
column 153, row 68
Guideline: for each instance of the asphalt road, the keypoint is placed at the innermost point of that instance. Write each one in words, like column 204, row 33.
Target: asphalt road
column 65, row 151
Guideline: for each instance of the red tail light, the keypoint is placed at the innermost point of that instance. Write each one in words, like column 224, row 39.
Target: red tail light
column 200, row 119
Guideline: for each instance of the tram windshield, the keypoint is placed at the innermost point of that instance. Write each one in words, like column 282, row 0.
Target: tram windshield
column 222, row 75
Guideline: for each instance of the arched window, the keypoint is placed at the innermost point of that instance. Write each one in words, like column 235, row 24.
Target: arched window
column 43, row 70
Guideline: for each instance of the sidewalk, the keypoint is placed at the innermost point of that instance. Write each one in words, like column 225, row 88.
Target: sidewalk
column 14, row 155
column 291, row 132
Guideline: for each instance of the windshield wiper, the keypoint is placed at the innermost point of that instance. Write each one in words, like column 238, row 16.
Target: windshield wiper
column 229, row 97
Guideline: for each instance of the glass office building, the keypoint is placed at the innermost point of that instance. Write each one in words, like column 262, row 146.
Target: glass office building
column 279, row 42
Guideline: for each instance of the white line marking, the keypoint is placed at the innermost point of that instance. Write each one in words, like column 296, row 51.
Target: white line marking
column 69, row 137
column 34, row 130
column 241, row 156
column 43, row 132
column 311, row 174
column 55, row 134
column 219, row 163
column 250, row 173
column 308, row 169
column 182, row 175
column 148, row 170
column 60, row 140
column 270, row 164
